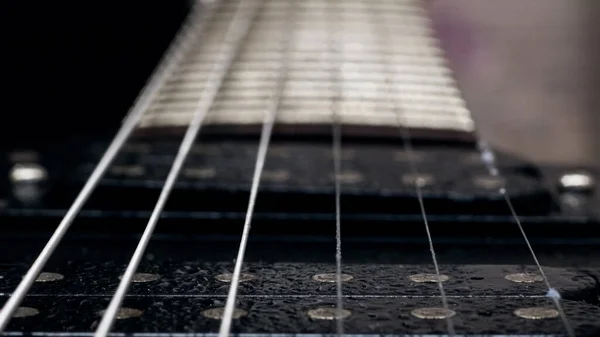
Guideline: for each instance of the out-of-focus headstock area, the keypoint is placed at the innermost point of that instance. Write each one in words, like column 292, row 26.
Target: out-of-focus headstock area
column 530, row 73
column 528, row 70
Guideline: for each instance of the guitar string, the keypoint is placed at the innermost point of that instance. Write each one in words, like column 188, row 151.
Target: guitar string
column 406, row 139
column 188, row 32
column 336, row 130
column 489, row 160
column 270, row 115
column 235, row 34
column 408, row 149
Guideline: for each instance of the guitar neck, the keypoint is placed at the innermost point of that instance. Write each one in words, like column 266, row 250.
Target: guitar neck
column 360, row 62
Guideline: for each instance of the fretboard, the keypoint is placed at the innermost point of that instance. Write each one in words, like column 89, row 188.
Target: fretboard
column 370, row 61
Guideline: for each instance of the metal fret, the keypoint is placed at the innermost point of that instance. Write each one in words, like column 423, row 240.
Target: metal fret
column 420, row 74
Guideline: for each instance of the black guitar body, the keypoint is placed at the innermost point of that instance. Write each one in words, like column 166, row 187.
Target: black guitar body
column 66, row 103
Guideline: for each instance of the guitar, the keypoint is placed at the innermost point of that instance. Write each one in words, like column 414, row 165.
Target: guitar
column 293, row 168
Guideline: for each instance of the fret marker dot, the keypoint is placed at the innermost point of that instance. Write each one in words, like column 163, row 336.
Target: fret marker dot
column 331, row 277
column 428, row 278
column 244, row 277
column 537, row 313
column 23, row 312
column 143, row 277
column 124, row 313
column 49, row 277
column 328, row 314
column 433, row 313
column 524, row 278
column 217, row 313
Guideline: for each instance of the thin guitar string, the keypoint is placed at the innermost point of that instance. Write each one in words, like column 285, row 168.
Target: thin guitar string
column 188, row 32
column 488, row 158
column 489, row 161
column 406, row 139
column 236, row 32
column 336, row 150
column 270, row 115
column 408, row 149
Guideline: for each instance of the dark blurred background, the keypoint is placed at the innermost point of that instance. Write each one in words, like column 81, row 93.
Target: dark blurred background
column 76, row 67
column 530, row 70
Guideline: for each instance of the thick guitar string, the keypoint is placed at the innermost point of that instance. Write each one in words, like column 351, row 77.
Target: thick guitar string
column 408, row 149
column 270, row 115
column 489, row 161
column 336, row 131
column 236, row 32
column 189, row 32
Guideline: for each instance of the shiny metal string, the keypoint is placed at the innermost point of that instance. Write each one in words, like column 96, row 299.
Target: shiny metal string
column 188, row 33
column 408, row 149
column 270, row 114
column 489, row 161
column 336, row 130
column 235, row 34
column 406, row 139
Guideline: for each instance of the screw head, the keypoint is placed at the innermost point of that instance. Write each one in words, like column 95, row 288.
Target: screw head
column 537, row 313
column 329, row 314
column 524, row 278
column 428, row 278
column 143, row 277
column 49, row 277
column 217, row 313
column 23, row 312
column 227, row 277
column 331, row 277
column 124, row 313
column 433, row 313
column 28, row 173
column 577, row 181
